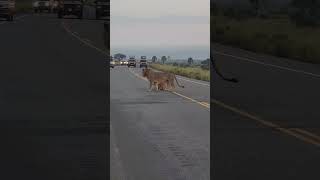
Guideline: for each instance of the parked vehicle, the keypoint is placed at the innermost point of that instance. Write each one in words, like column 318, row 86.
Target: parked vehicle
column 54, row 6
column 70, row 7
column 7, row 9
column 42, row 5
column 132, row 62
column 123, row 62
column 102, row 8
column 143, row 62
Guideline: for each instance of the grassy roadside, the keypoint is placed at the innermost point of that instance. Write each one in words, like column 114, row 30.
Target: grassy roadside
column 276, row 36
column 190, row 72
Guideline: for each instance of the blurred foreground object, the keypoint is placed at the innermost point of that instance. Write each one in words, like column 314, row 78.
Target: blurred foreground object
column 7, row 9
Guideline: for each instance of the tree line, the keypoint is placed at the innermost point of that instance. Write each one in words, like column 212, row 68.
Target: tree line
column 301, row 12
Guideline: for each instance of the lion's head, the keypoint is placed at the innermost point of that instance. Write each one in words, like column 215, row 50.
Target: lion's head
column 145, row 72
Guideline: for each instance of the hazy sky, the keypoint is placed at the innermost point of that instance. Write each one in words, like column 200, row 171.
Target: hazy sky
column 143, row 8
column 160, row 24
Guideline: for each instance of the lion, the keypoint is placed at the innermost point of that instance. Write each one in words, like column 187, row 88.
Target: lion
column 161, row 80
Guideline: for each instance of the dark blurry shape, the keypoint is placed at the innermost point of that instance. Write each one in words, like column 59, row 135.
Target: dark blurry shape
column 154, row 59
column 215, row 68
column 205, row 64
column 102, row 8
column 106, row 35
column 163, row 59
column 305, row 13
column 40, row 6
column 190, row 60
column 70, row 7
column 7, row 9
column 255, row 4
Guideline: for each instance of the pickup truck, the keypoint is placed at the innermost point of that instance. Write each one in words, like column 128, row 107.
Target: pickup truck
column 7, row 9
column 143, row 62
column 70, row 7
column 132, row 62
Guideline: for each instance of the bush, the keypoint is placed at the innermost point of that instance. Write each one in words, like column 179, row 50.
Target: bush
column 175, row 64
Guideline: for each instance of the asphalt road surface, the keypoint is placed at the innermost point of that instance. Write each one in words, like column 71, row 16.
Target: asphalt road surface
column 160, row 135
column 267, row 125
column 54, row 103
column 154, row 135
column 54, row 110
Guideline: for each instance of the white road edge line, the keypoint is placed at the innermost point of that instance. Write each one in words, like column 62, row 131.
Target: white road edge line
column 92, row 46
column 81, row 40
column 19, row 17
column 266, row 64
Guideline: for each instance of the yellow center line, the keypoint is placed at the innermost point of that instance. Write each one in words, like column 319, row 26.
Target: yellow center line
column 204, row 104
column 296, row 132
column 301, row 135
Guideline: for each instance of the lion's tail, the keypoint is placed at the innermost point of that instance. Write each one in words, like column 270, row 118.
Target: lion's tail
column 177, row 81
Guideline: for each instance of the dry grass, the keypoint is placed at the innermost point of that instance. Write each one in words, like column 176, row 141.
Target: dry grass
column 277, row 36
column 190, row 72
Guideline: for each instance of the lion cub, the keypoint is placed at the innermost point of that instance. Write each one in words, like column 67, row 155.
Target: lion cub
column 160, row 80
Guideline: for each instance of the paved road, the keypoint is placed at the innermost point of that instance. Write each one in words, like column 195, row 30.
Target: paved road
column 154, row 135
column 160, row 135
column 54, row 103
column 55, row 110
column 266, row 126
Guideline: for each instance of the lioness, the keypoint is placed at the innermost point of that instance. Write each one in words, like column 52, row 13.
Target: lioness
column 161, row 80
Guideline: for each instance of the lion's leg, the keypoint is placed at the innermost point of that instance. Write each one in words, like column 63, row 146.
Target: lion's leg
column 161, row 86
column 150, row 86
column 171, row 82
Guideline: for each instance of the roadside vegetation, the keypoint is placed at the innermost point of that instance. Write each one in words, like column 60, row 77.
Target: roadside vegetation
column 292, row 32
column 186, row 70
column 24, row 6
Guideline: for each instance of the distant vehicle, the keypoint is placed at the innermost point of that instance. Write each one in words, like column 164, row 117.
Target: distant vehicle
column 116, row 62
column 70, row 7
column 132, row 62
column 143, row 62
column 123, row 62
column 40, row 6
column 112, row 63
column 7, row 9
column 54, row 6
column 102, row 8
